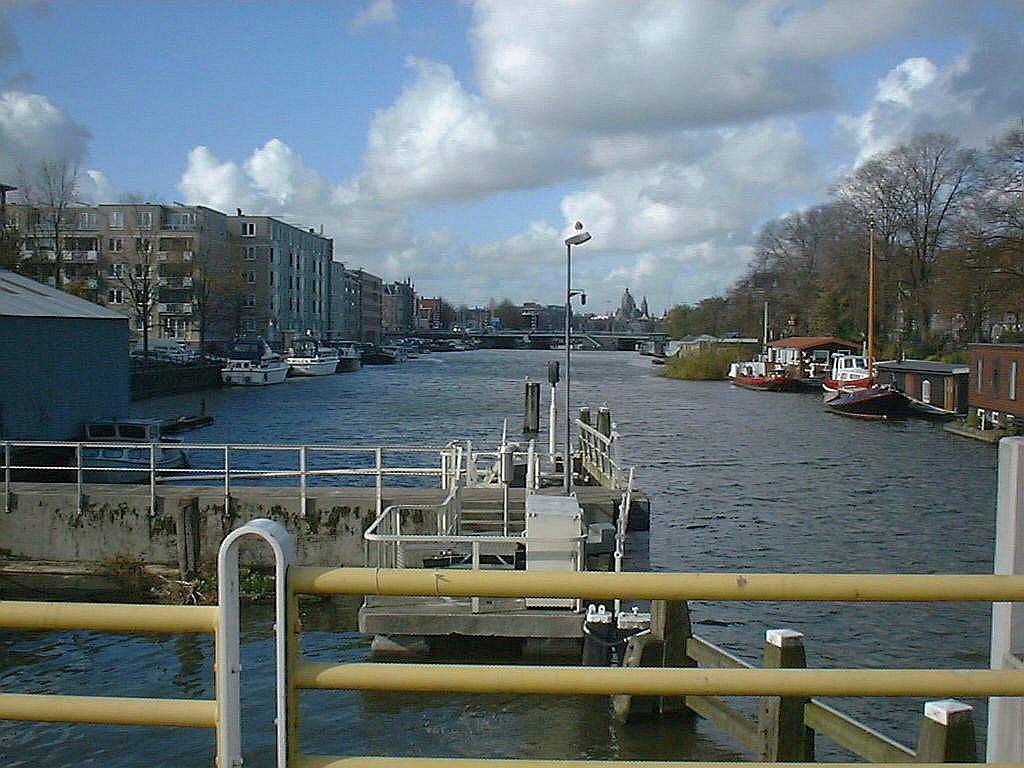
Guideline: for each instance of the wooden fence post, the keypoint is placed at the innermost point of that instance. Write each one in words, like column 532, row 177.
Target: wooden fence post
column 784, row 737
column 947, row 733
column 187, row 524
column 1005, row 715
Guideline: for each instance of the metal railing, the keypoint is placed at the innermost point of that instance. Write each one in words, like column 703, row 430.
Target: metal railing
column 116, row 710
column 599, row 454
column 637, row 681
column 294, row 674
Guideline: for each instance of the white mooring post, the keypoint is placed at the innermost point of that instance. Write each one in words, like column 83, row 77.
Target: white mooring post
column 1006, row 715
column 229, row 668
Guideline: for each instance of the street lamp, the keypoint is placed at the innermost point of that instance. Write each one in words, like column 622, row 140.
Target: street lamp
column 578, row 239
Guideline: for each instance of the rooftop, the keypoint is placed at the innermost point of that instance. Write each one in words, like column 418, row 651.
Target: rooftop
column 812, row 342
column 922, row 366
column 23, row 297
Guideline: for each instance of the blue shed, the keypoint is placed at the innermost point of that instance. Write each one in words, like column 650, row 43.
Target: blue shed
column 63, row 361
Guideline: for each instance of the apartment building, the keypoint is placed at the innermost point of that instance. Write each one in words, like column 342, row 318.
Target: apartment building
column 285, row 277
column 398, row 310
column 344, row 319
column 371, row 321
column 197, row 274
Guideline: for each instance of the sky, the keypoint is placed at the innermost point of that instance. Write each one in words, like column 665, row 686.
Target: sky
column 457, row 143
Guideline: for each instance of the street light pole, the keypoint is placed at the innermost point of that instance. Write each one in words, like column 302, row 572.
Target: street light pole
column 578, row 239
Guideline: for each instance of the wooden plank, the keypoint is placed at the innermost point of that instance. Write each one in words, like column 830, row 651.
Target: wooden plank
column 856, row 737
column 708, row 655
column 728, row 718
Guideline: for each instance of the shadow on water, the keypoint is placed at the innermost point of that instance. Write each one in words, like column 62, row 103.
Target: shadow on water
column 739, row 481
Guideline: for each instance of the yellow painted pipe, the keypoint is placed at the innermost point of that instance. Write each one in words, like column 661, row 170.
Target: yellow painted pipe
column 658, row 586
column 107, row 617
column 322, row 761
column 200, row 713
column 659, row 681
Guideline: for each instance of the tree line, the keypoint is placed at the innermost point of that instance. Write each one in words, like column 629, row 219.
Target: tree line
column 946, row 223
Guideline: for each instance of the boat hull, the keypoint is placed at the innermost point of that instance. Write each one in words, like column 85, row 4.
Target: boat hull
column 764, row 383
column 869, row 403
column 349, row 364
column 301, row 366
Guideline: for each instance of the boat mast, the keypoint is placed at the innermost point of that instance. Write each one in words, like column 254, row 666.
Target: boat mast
column 871, row 293
column 765, row 334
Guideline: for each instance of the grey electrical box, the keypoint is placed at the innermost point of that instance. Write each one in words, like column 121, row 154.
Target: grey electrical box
column 554, row 527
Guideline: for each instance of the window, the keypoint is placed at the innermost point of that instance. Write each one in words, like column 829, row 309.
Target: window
column 1013, row 380
column 271, row 278
column 143, row 245
column 248, row 229
column 115, row 296
column 144, row 219
column 249, row 300
column 249, row 277
column 116, row 219
column 115, row 244
column 86, row 220
column 115, row 270
column 978, row 369
column 181, row 220
column 249, row 325
column 995, row 378
column 139, row 271
column 926, row 391
column 250, row 253
column 271, row 259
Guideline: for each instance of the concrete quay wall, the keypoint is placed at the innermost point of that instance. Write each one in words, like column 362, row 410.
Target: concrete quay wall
column 42, row 522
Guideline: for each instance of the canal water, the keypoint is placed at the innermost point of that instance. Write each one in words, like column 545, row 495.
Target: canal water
column 738, row 480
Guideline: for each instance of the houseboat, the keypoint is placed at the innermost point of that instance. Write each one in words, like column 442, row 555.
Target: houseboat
column 308, row 357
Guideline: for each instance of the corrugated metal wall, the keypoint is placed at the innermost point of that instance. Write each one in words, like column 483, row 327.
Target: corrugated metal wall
column 56, row 373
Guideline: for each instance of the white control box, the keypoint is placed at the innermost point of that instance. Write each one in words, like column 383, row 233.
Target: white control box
column 554, row 525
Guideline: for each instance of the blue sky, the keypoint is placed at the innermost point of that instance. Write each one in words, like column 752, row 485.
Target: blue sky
column 457, row 142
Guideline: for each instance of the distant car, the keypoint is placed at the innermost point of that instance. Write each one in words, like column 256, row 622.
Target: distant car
column 167, row 350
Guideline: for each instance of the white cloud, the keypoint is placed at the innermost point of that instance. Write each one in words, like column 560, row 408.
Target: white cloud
column 440, row 142
column 974, row 97
column 32, row 129
column 611, row 67
column 376, row 13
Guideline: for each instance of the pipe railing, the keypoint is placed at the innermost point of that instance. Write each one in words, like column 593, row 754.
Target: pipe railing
column 599, row 454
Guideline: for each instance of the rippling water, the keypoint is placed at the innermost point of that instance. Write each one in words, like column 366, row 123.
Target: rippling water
column 738, row 480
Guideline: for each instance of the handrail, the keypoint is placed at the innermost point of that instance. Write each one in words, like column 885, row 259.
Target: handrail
column 113, row 710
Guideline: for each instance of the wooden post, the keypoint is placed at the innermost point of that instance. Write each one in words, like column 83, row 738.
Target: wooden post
column 187, row 523
column 604, row 421
column 1005, row 715
column 531, row 408
column 947, row 733
column 784, row 737
column 663, row 646
column 585, row 415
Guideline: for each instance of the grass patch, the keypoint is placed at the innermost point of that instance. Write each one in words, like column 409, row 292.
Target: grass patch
column 711, row 364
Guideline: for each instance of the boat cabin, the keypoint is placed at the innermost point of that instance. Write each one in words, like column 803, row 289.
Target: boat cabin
column 941, row 385
column 123, row 430
column 809, row 357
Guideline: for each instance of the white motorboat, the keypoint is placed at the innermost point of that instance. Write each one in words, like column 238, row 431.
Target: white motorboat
column 251, row 362
column 126, row 450
column 307, row 357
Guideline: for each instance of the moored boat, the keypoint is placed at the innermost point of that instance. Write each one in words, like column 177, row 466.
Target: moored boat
column 877, row 402
column 349, row 359
column 308, row 357
column 848, row 371
column 250, row 362
column 126, row 450
column 760, row 375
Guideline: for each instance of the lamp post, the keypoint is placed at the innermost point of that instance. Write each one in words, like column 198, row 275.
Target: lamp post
column 578, row 239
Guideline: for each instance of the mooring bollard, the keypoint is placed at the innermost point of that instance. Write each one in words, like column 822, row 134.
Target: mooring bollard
column 947, row 733
column 531, row 408
column 784, row 737
column 187, row 524
column 598, row 636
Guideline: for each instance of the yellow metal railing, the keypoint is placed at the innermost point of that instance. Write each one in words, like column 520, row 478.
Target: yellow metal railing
column 636, row 680
column 102, row 617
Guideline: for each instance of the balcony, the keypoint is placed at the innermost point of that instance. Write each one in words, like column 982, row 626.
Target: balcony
column 175, row 282
column 79, row 256
column 174, row 309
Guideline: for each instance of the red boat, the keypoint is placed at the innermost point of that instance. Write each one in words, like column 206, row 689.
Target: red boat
column 764, row 377
column 848, row 371
column 868, row 402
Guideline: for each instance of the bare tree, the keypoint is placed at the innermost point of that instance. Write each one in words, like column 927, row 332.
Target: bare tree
column 915, row 192
column 50, row 189
column 141, row 286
